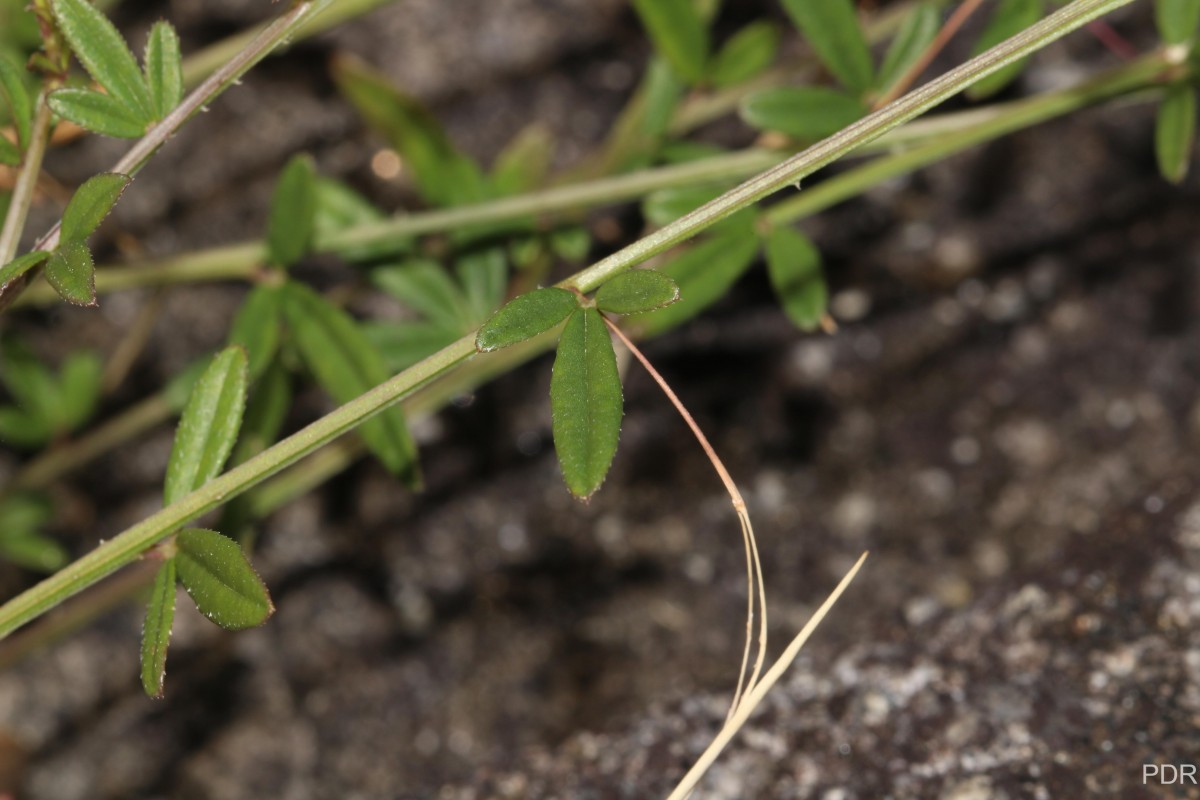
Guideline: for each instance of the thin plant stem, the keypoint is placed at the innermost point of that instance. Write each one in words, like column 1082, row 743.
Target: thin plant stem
column 22, row 196
column 754, row 576
column 759, row 690
column 128, row 546
column 910, row 75
column 137, row 156
column 58, row 461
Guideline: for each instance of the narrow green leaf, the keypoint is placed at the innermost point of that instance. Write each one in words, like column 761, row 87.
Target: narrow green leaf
column 794, row 266
column 484, row 276
column 91, row 203
column 402, row 344
column 72, row 273
column 266, row 411
column 164, row 69
column 424, row 286
column 679, row 34
column 339, row 207
column 80, row 380
column 746, row 55
column 585, row 402
column 524, row 162
column 803, row 112
column 346, row 365
column 20, row 104
column 916, row 33
column 21, row 518
column 637, row 292
column 831, row 28
column 34, row 552
column 97, row 112
column 525, row 317
column 214, row 571
column 209, row 426
column 178, row 390
column 257, row 327
column 292, row 221
column 29, row 381
column 9, row 154
column 99, row 47
column 1177, row 20
column 156, row 630
column 19, row 428
column 704, row 273
column 1175, row 131
column 442, row 174
column 20, row 265
column 1009, row 18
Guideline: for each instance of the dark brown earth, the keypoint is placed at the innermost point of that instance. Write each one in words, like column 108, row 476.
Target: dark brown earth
column 1007, row 419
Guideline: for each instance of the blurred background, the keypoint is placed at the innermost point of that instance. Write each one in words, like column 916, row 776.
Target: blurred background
column 1006, row 418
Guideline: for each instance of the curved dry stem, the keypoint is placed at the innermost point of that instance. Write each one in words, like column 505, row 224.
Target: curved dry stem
column 754, row 578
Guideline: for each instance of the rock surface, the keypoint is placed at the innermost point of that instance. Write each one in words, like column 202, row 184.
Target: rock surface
column 1007, row 419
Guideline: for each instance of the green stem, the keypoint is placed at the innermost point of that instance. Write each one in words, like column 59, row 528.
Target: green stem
column 256, row 50
column 1018, row 115
column 201, row 64
column 22, row 196
column 56, row 462
column 129, row 545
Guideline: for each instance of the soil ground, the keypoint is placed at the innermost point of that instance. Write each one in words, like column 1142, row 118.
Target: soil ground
column 1006, row 419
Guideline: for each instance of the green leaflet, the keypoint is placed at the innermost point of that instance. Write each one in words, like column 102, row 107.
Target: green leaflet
column 178, row 390
column 679, row 34
column 637, row 292
column 214, row 571
column 99, row 47
column 704, row 273
column 803, row 112
column 1009, row 18
column 209, row 426
column 22, row 517
column 1177, row 19
column 484, row 277
column 156, row 630
column 916, row 33
column 20, row 104
column 425, row 287
column 402, row 344
column 346, row 365
column 746, row 55
column 163, row 66
column 20, row 265
column 794, row 266
column 72, row 273
column 79, row 382
column 585, row 402
column 257, row 327
column 668, row 205
column 97, row 112
column 46, row 406
column 292, row 221
column 91, row 203
column 1175, row 131
column 442, row 174
column 525, row 317
column 831, row 28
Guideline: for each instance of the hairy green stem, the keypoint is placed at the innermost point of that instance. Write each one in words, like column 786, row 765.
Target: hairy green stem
column 22, row 196
column 200, row 65
column 237, row 66
column 129, row 545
